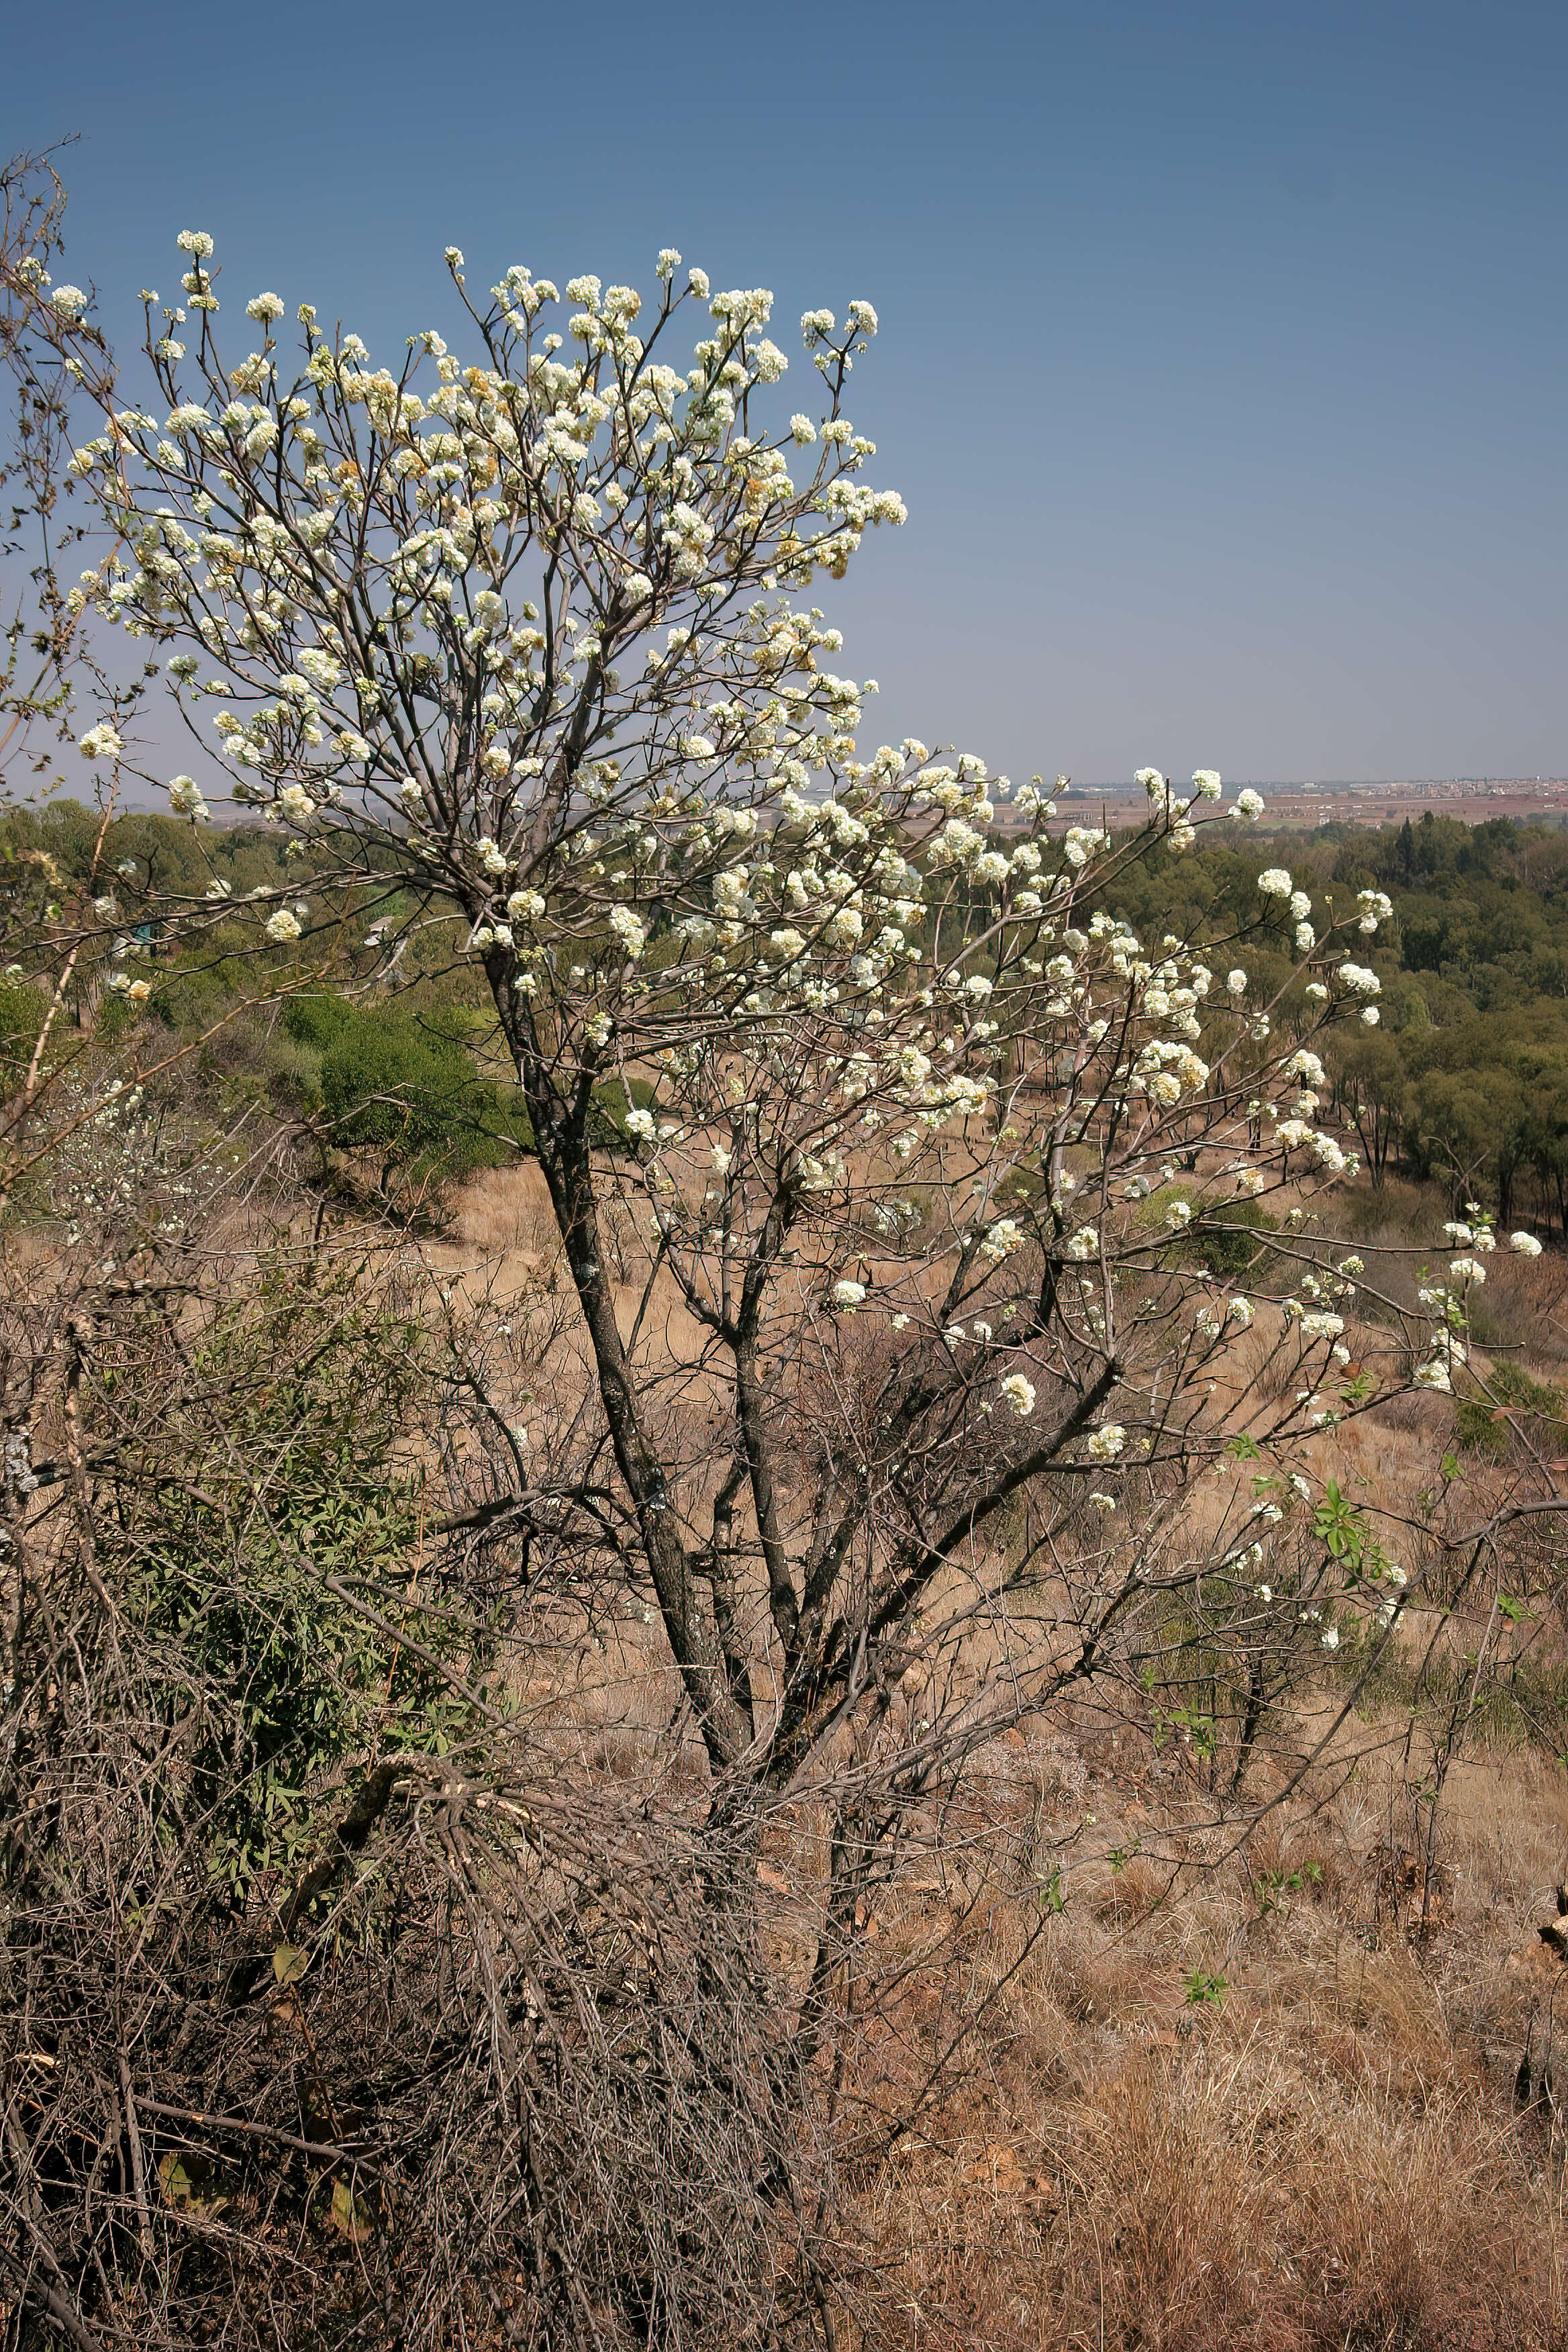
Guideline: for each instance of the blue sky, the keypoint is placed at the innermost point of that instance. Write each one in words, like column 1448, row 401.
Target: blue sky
column 1222, row 360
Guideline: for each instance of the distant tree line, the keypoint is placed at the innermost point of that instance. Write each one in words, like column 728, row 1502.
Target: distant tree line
column 1464, row 1078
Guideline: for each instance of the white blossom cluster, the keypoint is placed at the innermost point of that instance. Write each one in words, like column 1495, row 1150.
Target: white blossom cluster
column 530, row 628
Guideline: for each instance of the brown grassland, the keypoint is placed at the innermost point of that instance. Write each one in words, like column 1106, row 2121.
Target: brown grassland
column 1209, row 2068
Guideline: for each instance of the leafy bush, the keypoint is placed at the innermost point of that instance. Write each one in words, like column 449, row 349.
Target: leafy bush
column 1227, row 1239
column 1224, row 1238
column 22, row 1013
column 319, row 1022
column 405, row 1087
column 1484, row 1424
column 281, row 1683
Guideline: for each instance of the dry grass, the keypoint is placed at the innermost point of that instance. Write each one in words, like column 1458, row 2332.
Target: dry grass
column 503, row 1210
column 1214, row 2196
column 1324, row 2153
column 1525, row 1314
column 1327, row 2154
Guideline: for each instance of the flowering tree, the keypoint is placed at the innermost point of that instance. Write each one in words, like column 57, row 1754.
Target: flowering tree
column 527, row 634
column 952, row 1234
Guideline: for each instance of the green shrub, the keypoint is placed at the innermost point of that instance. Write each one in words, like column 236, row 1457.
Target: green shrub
column 293, row 1073
column 1514, row 1386
column 1226, row 1238
column 319, row 1022
column 22, row 1016
column 1479, row 1428
column 225, row 1572
column 405, row 1087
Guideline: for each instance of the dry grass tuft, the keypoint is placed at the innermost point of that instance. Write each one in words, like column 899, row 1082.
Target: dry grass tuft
column 505, row 1209
column 1324, row 2154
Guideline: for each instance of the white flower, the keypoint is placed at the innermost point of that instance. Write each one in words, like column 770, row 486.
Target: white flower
column 1248, row 804
column 1266, row 1594
column 899, row 1322
column 849, row 1295
column 1525, row 1245
column 1236, row 983
column 69, row 301
column 1084, row 1244
column 1467, row 1269
column 185, row 799
column 1274, row 882
column 1099, row 1501
column 100, row 742
column 629, row 931
column 1179, row 1213
column 1458, row 1236
column 640, row 1126
column 1370, row 1016
column 282, row 927
column 1330, row 1640
column 803, row 430
column 1322, row 1327
column 1358, row 978
column 1435, row 1375
column 1107, row 1441
column 264, row 309
column 194, row 241
column 1020, row 1395
column 1206, row 783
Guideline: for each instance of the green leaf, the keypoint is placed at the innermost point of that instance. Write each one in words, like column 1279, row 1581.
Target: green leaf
column 290, row 1962
column 350, row 2214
